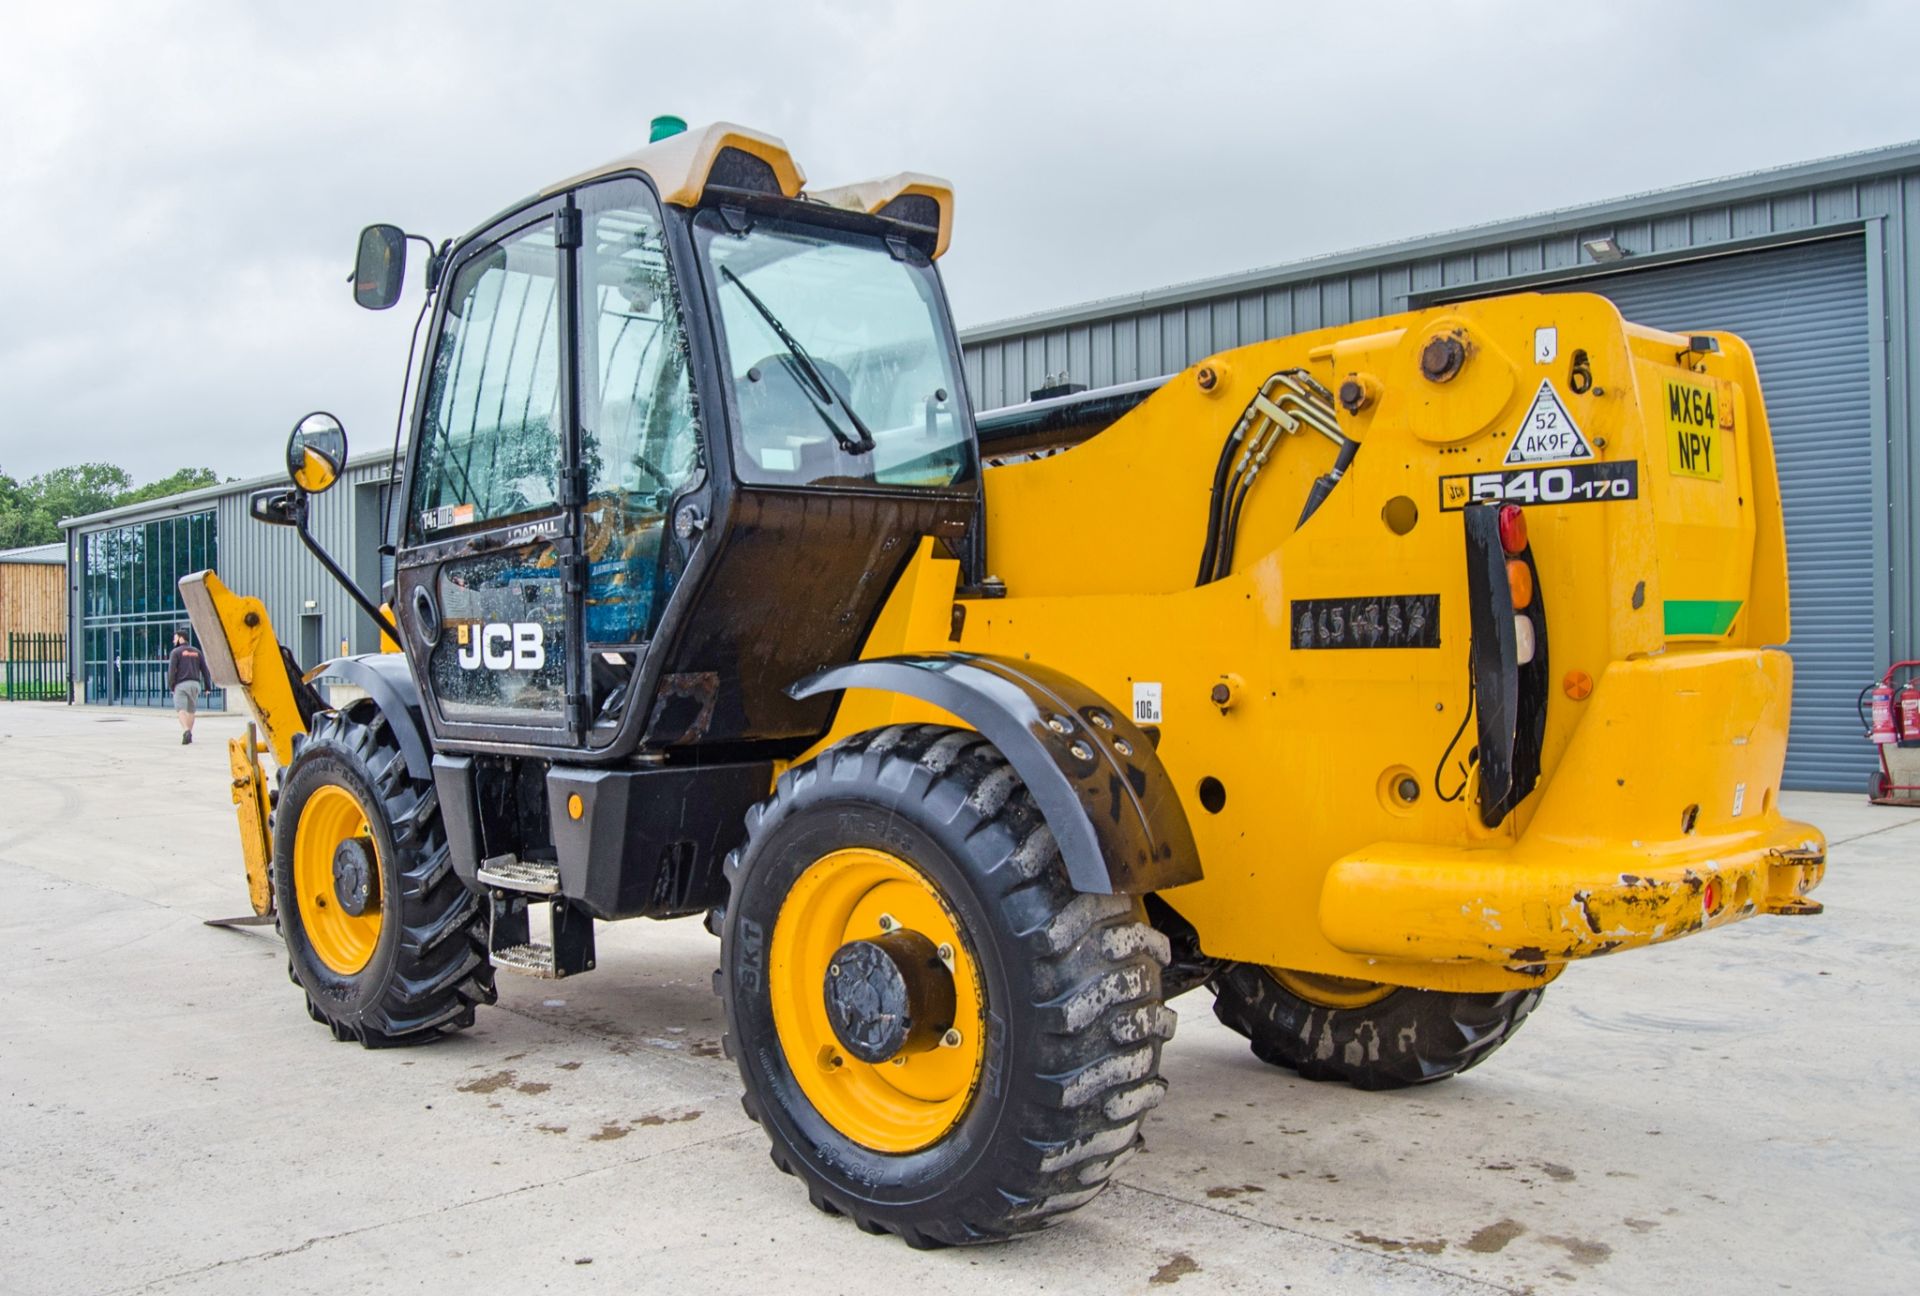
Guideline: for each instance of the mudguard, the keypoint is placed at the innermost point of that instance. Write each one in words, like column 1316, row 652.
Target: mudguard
column 1111, row 805
column 389, row 683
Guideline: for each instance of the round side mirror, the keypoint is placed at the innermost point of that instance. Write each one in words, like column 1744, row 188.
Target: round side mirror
column 316, row 452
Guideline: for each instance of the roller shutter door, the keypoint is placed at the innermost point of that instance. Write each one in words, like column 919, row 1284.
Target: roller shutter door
column 1803, row 309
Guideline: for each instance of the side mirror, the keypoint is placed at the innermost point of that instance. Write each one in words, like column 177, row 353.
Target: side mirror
column 275, row 507
column 380, row 267
column 316, row 452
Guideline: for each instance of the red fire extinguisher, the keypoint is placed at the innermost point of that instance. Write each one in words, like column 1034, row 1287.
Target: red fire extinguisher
column 1883, row 729
column 1910, row 714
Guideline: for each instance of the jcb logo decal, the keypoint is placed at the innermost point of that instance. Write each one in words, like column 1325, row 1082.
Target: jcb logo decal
column 502, row 645
column 1695, row 447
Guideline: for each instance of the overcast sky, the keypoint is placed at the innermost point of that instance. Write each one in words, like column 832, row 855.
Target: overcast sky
column 181, row 183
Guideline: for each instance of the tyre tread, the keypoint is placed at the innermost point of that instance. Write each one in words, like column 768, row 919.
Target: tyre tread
column 1095, row 966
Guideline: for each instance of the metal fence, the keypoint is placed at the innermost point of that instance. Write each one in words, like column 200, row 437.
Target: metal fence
column 36, row 668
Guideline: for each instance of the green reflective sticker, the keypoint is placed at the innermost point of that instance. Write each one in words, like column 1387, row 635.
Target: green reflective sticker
column 1701, row 616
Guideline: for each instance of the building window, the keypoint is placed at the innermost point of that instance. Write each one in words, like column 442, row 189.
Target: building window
column 130, row 605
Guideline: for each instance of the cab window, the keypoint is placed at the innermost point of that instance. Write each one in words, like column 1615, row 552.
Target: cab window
column 639, row 433
column 840, row 358
column 492, row 437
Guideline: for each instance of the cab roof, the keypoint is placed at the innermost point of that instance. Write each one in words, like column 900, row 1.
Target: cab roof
column 724, row 157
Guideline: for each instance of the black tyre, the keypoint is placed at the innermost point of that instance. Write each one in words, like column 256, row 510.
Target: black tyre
column 1053, row 1002
column 388, row 944
column 1377, row 1037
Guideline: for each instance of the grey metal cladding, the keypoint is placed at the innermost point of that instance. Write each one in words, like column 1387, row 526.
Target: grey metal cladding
column 1818, row 265
column 1813, row 362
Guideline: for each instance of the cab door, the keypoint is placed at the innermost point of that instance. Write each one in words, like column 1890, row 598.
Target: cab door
column 484, row 566
column 642, row 454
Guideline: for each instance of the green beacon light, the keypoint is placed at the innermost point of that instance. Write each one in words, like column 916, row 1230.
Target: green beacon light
column 665, row 126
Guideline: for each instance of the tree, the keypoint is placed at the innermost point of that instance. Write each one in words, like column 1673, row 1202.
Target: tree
column 185, row 479
column 30, row 514
column 13, row 508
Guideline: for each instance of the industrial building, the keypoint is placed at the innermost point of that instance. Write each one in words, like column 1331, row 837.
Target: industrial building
column 124, row 568
column 32, row 590
column 1817, row 265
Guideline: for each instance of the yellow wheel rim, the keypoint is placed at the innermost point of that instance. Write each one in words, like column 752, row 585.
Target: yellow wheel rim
column 895, row 1106
column 343, row 941
column 1325, row 991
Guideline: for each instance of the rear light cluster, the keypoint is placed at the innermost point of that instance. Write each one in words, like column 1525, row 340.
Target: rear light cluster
column 1513, row 539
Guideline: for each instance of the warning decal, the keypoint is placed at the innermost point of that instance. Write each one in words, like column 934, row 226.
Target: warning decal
column 1547, row 434
column 1146, row 703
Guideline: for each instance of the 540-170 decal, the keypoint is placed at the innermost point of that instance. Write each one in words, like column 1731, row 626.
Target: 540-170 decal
column 1576, row 483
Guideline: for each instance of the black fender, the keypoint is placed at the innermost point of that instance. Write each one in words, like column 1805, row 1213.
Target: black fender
column 386, row 679
column 1110, row 803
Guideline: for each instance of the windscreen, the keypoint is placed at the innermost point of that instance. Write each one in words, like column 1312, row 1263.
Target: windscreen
column 840, row 357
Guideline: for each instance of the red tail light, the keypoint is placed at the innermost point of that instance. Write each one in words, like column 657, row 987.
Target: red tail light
column 1513, row 528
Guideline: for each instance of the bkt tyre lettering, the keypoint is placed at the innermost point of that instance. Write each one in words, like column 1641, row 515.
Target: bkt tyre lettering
column 502, row 645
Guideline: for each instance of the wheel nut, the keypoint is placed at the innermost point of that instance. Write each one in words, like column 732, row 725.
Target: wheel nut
column 950, row 1040
column 887, row 923
column 945, row 954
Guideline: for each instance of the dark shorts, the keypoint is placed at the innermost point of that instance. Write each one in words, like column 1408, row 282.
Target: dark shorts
column 186, row 697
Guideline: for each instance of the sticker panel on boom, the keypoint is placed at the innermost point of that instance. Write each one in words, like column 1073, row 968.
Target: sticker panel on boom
column 1575, row 483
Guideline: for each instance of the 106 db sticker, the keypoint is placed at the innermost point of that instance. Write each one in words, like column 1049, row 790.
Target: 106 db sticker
column 1580, row 483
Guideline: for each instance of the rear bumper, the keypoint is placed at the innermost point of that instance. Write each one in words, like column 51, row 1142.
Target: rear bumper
column 1656, row 821
column 1442, row 904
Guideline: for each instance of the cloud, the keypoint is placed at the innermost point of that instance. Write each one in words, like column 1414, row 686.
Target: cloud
column 182, row 182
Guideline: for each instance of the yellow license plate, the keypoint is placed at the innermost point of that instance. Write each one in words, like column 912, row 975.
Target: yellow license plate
column 1696, row 445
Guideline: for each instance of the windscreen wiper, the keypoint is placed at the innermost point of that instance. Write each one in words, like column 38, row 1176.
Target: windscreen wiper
column 812, row 381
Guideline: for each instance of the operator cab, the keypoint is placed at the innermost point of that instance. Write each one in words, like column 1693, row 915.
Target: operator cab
column 678, row 430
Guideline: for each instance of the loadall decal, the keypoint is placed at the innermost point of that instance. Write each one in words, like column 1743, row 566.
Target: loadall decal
column 1694, row 416
column 1368, row 621
column 1579, row 483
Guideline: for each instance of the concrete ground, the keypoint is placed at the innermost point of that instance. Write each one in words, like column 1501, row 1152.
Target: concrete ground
column 1732, row 1113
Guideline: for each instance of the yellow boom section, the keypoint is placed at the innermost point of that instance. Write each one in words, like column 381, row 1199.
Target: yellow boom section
column 242, row 654
column 1313, row 735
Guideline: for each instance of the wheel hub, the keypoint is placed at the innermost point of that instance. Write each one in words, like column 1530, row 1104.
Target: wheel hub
column 889, row 997
column 353, row 873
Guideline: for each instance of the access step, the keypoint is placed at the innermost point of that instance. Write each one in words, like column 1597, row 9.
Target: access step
column 512, row 946
column 530, row 960
column 511, row 873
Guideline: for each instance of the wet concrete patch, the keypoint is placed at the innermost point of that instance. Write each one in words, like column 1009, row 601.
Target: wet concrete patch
column 1495, row 1236
column 1177, row 1267
column 1583, row 1250
column 1431, row 1246
column 488, row 1084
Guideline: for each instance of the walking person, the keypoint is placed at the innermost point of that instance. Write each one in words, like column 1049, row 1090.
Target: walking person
column 187, row 676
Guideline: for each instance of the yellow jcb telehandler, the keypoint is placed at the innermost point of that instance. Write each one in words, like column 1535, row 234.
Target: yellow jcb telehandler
column 1367, row 677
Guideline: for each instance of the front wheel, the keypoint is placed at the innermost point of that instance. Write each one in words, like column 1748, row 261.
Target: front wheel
column 939, row 1036
column 1370, row 1035
column 387, row 942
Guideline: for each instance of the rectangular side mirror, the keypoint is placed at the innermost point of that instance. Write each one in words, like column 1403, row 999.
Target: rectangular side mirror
column 274, row 507
column 380, row 267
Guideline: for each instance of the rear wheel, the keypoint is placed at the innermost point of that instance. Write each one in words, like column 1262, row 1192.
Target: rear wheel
column 388, row 944
column 1368, row 1034
column 940, row 1037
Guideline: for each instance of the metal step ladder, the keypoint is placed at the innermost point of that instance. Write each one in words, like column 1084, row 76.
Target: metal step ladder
column 514, row 885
